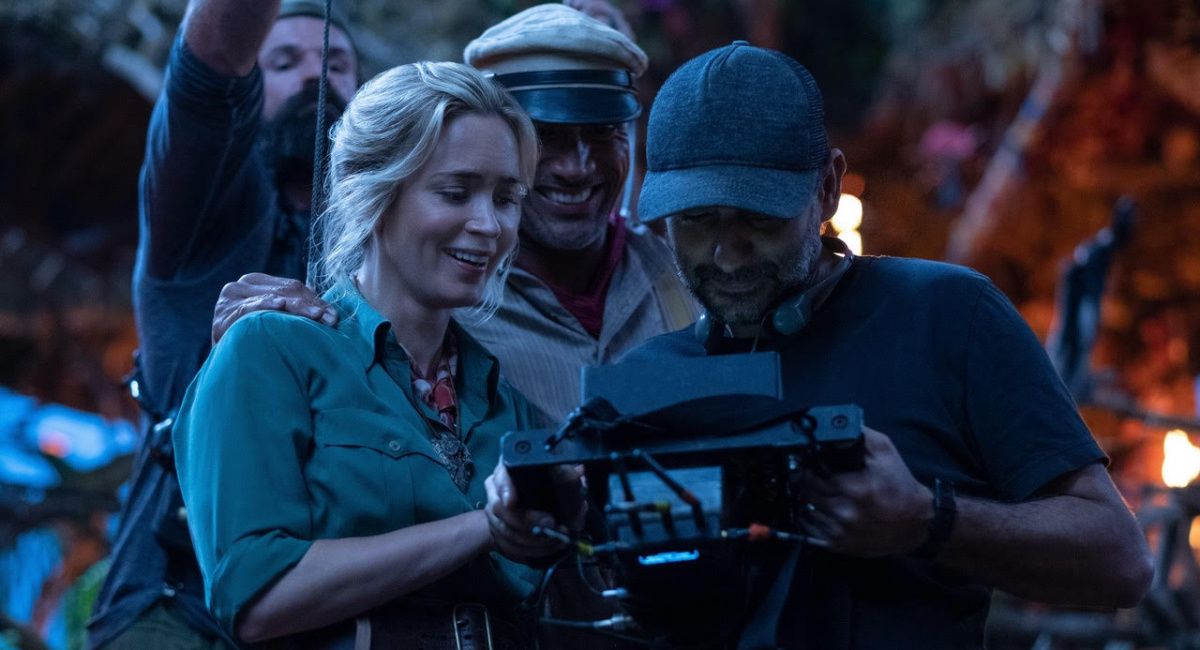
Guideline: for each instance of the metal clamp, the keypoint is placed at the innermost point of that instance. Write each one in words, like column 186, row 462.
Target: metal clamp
column 465, row 621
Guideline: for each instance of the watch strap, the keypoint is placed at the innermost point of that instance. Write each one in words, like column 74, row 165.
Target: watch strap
column 945, row 513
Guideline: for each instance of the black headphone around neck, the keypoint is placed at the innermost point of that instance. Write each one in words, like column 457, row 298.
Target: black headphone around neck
column 793, row 314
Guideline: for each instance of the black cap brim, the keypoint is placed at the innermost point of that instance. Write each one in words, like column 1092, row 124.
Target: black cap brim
column 779, row 193
column 575, row 96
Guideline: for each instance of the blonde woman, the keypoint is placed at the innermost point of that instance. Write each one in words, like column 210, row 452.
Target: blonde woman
column 329, row 471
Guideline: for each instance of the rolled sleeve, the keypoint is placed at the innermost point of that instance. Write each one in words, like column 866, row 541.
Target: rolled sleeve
column 204, row 92
column 243, row 433
column 246, row 569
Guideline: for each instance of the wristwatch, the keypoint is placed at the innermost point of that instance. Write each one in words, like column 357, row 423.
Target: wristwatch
column 945, row 512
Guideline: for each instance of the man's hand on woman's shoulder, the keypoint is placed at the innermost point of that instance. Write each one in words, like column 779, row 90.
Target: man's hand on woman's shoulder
column 261, row 292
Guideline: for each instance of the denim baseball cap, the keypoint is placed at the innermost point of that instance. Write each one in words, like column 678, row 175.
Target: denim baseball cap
column 739, row 126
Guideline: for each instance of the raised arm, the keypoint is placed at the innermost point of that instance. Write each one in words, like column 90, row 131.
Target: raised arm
column 201, row 192
column 227, row 34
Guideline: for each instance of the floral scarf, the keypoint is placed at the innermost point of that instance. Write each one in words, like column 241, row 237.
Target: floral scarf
column 438, row 393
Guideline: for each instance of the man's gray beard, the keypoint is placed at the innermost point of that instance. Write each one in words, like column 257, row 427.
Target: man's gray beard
column 795, row 275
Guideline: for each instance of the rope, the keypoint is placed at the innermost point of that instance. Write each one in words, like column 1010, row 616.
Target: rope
column 317, row 204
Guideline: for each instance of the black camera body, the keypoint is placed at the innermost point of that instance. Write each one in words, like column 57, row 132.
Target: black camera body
column 695, row 471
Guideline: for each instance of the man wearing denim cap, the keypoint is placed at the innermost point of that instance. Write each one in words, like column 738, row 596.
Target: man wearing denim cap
column 979, row 472
column 224, row 192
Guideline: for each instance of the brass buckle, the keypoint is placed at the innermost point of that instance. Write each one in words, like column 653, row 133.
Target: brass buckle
column 487, row 624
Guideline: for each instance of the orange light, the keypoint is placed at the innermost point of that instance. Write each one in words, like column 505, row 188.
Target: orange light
column 853, row 241
column 1181, row 459
column 54, row 443
column 849, row 214
column 846, row 220
column 854, row 184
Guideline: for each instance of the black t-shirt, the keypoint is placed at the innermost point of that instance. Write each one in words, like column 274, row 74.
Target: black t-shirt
column 941, row 362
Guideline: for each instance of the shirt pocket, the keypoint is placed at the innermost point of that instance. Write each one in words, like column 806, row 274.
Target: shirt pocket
column 363, row 469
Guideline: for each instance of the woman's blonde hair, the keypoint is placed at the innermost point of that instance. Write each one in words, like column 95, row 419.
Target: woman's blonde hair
column 388, row 131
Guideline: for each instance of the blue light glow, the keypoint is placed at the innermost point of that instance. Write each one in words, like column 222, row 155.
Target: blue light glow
column 669, row 557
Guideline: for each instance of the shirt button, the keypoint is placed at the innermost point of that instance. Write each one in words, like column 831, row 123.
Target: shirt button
column 168, row 591
column 394, row 445
column 479, row 505
column 181, row 515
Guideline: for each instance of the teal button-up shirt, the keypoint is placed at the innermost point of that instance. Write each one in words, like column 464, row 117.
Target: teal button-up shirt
column 294, row 431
